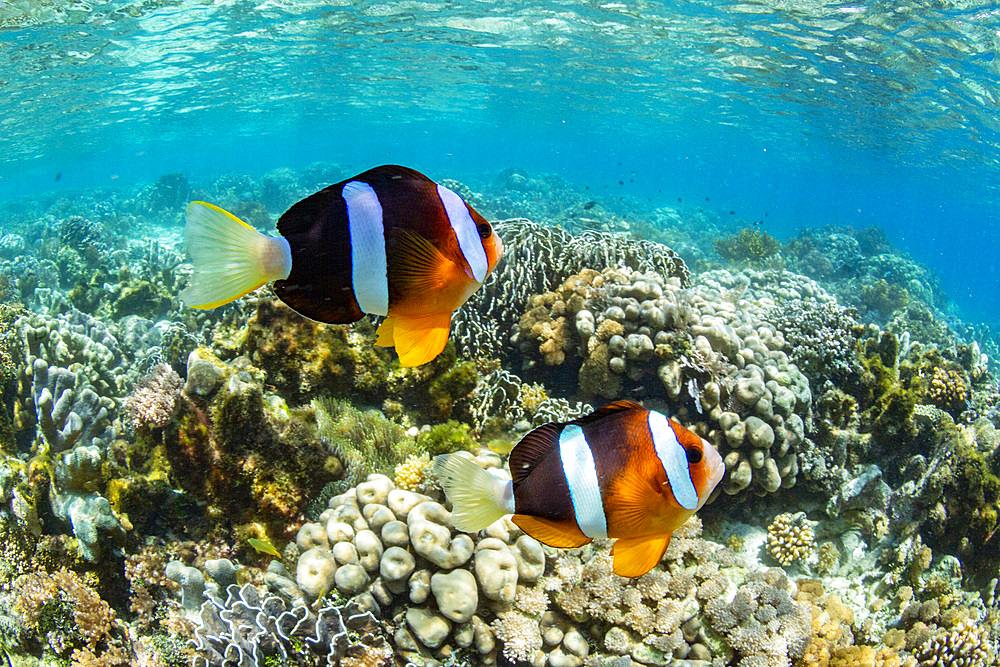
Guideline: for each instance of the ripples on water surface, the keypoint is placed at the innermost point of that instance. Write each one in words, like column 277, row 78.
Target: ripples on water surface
column 814, row 111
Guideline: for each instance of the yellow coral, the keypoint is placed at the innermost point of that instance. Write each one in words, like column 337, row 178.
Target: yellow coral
column 789, row 538
column 531, row 396
column 411, row 474
column 966, row 645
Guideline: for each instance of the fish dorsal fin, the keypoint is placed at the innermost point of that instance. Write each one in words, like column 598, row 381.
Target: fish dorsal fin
column 326, row 207
column 416, row 265
column 532, row 449
column 635, row 556
column 609, row 409
column 391, row 172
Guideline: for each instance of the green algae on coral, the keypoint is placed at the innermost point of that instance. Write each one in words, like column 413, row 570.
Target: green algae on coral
column 750, row 246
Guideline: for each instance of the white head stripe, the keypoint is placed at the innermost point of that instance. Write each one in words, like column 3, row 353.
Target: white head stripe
column 673, row 458
column 368, row 268
column 466, row 231
column 581, row 476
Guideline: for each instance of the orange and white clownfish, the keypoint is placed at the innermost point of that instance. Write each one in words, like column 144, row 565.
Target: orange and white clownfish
column 388, row 241
column 621, row 472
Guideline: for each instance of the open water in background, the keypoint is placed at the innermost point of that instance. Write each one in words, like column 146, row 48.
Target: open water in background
column 798, row 112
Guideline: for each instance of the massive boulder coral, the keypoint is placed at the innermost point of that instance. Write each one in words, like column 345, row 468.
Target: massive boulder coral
column 501, row 595
column 706, row 350
column 538, row 258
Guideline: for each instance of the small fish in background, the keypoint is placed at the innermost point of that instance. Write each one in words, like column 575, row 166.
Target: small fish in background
column 263, row 546
column 589, row 205
column 388, row 241
column 621, row 472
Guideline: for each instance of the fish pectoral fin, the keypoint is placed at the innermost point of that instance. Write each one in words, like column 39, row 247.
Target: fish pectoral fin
column 562, row 535
column 417, row 339
column 635, row 556
column 417, row 266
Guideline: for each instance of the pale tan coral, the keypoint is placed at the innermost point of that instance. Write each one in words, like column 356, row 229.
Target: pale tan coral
column 519, row 635
column 790, row 538
column 411, row 474
column 965, row 646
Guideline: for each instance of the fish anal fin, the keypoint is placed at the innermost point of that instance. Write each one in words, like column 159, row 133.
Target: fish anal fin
column 417, row 339
column 417, row 266
column 635, row 556
column 561, row 534
column 531, row 449
column 384, row 333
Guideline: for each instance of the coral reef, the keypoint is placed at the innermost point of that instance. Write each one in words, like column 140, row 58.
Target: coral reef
column 539, row 258
column 750, row 246
column 790, row 538
column 723, row 367
column 246, row 486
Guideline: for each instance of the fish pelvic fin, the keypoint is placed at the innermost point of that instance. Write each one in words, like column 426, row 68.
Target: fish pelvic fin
column 477, row 497
column 230, row 257
column 635, row 556
column 417, row 339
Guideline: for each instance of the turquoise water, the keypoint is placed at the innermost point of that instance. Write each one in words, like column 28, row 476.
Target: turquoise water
column 798, row 114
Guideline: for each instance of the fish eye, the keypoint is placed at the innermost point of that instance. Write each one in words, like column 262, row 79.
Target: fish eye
column 485, row 230
column 694, row 455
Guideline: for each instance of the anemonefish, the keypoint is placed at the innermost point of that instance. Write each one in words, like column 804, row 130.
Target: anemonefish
column 388, row 241
column 621, row 472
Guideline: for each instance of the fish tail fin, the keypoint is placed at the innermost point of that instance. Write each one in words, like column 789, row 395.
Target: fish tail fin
column 417, row 339
column 477, row 497
column 230, row 257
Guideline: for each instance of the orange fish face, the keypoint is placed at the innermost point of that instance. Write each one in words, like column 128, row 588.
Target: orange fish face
column 704, row 462
column 491, row 242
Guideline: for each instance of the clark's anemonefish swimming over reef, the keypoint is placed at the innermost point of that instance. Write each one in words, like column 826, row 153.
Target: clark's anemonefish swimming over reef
column 621, row 472
column 388, row 241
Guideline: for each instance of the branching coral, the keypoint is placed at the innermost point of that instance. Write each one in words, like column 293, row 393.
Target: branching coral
column 790, row 538
column 965, row 646
column 65, row 611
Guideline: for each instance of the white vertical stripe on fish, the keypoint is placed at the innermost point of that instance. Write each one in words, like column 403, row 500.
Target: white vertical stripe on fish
column 466, row 231
column 581, row 477
column 368, row 266
column 673, row 458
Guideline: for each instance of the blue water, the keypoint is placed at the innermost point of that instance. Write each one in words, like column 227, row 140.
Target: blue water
column 799, row 113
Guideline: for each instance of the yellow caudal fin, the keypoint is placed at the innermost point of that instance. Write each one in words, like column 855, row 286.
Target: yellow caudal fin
column 477, row 497
column 230, row 257
column 635, row 556
column 417, row 339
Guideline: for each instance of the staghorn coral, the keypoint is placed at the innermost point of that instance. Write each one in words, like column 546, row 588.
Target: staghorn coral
column 790, row 538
